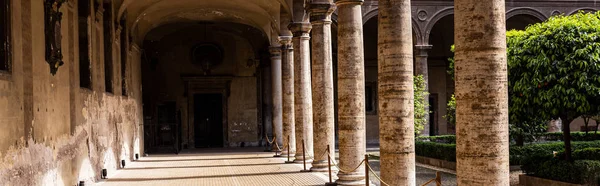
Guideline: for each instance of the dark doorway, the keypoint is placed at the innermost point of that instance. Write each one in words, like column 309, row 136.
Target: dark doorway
column 167, row 125
column 432, row 114
column 208, row 120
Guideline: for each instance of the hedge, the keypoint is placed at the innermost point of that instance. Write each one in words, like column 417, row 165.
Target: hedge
column 517, row 153
column 450, row 139
column 436, row 150
column 575, row 136
column 578, row 172
column 591, row 153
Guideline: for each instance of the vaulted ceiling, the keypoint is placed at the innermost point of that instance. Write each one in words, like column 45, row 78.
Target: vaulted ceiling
column 144, row 15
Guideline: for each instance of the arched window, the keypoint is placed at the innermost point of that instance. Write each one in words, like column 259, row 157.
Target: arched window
column 5, row 47
column 85, row 75
column 108, row 50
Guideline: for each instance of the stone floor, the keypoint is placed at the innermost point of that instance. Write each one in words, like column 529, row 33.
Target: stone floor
column 210, row 167
column 247, row 166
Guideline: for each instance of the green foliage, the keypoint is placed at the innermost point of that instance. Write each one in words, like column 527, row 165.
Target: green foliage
column 420, row 113
column 451, row 111
column 436, row 150
column 575, row 136
column 451, row 64
column 519, row 155
column 578, row 172
column 448, row 139
column 553, row 67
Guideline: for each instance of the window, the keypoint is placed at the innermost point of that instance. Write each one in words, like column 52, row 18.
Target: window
column 124, row 55
column 108, row 53
column 85, row 75
column 5, row 35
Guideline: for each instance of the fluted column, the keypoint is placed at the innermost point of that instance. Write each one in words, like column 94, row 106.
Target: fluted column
column 395, row 92
column 421, row 68
column 302, row 90
column 287, row 81
column 276, row 93
column 351, row 92
column 322, row 83
column 481, row 93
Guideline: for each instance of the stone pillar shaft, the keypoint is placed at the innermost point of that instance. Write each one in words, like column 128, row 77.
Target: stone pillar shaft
column 302, row 90
column 481, row 93
column 396, row 93
column 351, row 92
column 421, row 68
column 276, row 94
column 287, row 81
column 322, row 84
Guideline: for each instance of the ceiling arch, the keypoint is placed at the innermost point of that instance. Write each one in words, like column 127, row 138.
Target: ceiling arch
column 143, row 16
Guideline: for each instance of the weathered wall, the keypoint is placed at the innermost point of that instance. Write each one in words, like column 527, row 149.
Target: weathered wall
column 55, row 133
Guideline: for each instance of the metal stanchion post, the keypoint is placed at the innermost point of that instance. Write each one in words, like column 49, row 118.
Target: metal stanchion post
column 330, row 183
column 288, row 151
column 304, row 158
column 438, row 179
column 367, row 170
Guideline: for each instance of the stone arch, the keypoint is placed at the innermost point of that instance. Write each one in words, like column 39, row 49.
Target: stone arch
column 526, row 11
column 434, row 19
column 585, row 9
column 415, row 27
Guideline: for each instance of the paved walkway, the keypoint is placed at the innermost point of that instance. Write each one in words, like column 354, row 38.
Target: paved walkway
column 245, row 166
column 213, row 168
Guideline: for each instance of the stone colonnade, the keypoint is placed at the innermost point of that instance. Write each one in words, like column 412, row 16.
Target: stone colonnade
column 481, row 91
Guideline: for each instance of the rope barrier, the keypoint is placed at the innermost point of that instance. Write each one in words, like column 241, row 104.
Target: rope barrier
column 268, row 141
column 342, row 170
column 376, row 176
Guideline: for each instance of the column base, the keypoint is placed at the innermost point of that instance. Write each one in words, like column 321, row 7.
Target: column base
column 322, row 166
column 299, row 160
column 351, row 179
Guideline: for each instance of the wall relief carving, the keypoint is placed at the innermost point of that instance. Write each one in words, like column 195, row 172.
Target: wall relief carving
column 52, row 30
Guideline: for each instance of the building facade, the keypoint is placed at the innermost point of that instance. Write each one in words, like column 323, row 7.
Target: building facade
column 85, row 84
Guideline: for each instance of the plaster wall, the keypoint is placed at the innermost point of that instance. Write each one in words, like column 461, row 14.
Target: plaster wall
column 54, row 132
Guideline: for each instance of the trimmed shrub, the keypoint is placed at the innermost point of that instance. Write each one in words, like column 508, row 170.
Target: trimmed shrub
column 578, row 172
column 590, row 153
column 575, row 136
column 436, row 150
column 520, row 153
column 448, row 139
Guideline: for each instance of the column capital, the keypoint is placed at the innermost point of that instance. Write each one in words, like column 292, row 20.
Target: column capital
column 285, row 40
column 344, row 2
column 275, row 51
column 300, row 29
column 321, row 12
column 422, row 50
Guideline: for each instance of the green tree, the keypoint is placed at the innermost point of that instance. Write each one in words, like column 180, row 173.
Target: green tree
column 555, row 67
column 451, row 111
column 420, row 104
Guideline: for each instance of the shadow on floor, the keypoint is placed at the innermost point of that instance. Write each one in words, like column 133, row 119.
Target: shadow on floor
column 205, row 159
column 203, row 166
column 199, row 177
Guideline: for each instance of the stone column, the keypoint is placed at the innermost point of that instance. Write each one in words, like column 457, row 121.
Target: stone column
column 395, row 93
column 322, row 83
column 422, row 69
column 481, row 93
column 276, row 94
column 287, row 81
column 302, row 90
column 351, row 92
